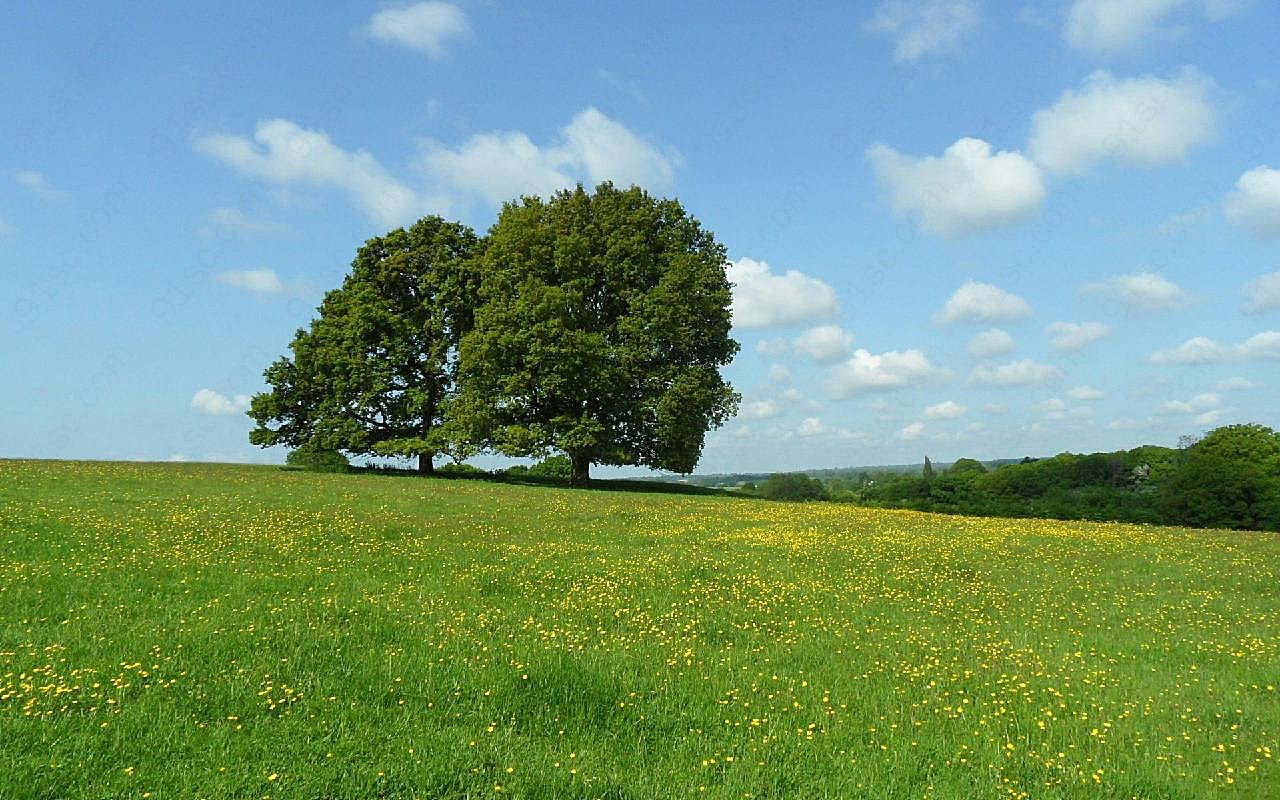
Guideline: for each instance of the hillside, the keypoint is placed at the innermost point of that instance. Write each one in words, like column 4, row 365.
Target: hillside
column 231, row 631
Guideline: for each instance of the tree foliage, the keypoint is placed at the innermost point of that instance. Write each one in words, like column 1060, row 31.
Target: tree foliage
column 375, row 371
column 1228, row 479
column 604, row 320
column 793, row 486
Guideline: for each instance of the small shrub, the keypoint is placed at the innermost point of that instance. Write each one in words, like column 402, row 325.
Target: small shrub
column 552, row 467
column 460, row 469
column 317, row 459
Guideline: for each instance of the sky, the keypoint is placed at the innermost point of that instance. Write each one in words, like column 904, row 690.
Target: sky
column 955, row 228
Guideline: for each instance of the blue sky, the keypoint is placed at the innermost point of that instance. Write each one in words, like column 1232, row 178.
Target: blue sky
column 957, row 228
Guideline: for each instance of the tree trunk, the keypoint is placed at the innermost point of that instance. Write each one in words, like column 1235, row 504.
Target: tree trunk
column 581, row 472
column 425, row 465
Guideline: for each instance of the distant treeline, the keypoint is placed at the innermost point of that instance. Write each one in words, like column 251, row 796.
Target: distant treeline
column 1230, row 478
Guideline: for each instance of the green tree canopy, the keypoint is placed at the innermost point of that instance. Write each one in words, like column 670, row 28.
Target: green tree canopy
column 793, row 486
column 376, row 369
column 1228, row 479
column 603, row 324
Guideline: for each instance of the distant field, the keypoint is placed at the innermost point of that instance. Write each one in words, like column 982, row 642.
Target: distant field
column 175, row 631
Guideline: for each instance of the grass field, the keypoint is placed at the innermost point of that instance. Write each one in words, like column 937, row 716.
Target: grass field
column 175, row 631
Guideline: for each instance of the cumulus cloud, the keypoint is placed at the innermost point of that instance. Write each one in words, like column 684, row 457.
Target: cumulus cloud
column 1086, row 393
column 965, row 190
column 865, row 372
column 991, row 342
column 1111, row 26
column 1016, row 373
column 982, row 302
column 1055, row 408
column 1255, row 203
column 811, row 426
column 1203, row 350
column 779, row 373
column 283, row 152
column 1196, row 350
column 825, row 343
column 1196, row 405
column 429, row 26
column 925, row 27
column 911, row 432
column 1141, row 292
column 760, row 409
column 608, row 151
column 1235, row 384
column 948, row 409
column 37, row 183
column 1145, row 121
column 762, row 298
column 1076, row 336
column 263, row 282
column 1263, row 294
column 496, row 167
column 207, row 401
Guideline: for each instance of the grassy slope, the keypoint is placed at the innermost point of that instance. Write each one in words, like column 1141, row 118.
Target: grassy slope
column 224, row 631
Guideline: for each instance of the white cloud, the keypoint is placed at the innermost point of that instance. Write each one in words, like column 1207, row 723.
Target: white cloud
column 1110, row 26
column 37, row 183
column 965, row 190
column 208, row 401
column 825, row 343
column 763, row 299
column 925, row 27
column 991, row 342
column 760, row 409
column 779, row 373
column 258, row 281
column 1016, row 373
column 427, row 26
column 948, row 409
column 1197, row 350
column 1057, row 409
column 1076, row 336
column 1235, row 384
column 496, row 167
column 501, row 166
column 1145, row 121
column 233, row 219
column 1265, row 345
column 1143, row 292
column 1255, row 203
column 811, row 426
column 608, row 151
column 284, row 153
column 1263, row 293
column 1202, row 350
column 1051, row 404
column 982, row 302
column 1199, row 404
column 869, row 372
column 912, row 432
column 1086, row 393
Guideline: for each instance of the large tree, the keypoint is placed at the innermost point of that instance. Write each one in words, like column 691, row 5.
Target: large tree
column 603, row 325
column 1228, row 479
column 376, row 369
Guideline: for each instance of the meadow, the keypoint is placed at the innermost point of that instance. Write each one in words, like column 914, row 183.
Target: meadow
column 180, row 631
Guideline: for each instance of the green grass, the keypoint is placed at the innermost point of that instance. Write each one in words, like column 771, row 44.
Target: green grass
column 175, row 631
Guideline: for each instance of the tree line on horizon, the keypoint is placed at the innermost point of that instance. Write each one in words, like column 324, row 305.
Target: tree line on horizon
column 592, row 324
column 1229, row 478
